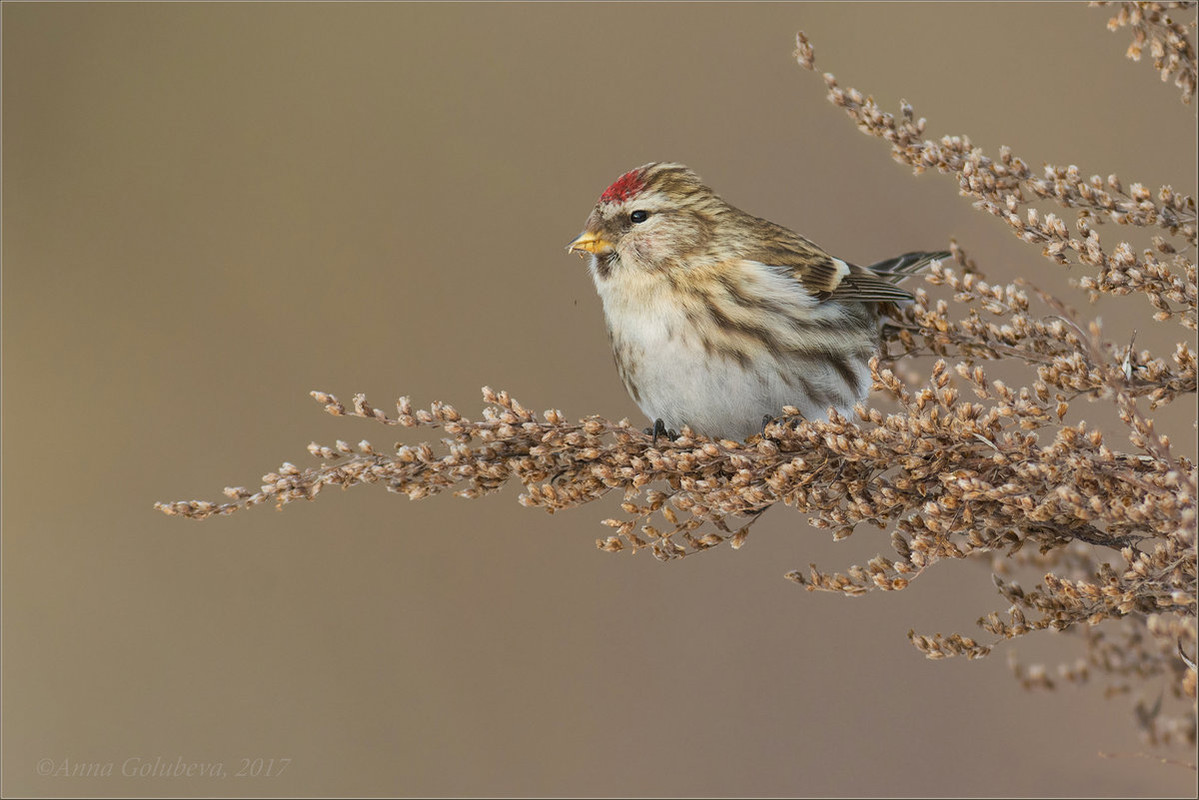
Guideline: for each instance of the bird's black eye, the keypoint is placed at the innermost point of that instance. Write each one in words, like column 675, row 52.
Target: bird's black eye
column 639, row 216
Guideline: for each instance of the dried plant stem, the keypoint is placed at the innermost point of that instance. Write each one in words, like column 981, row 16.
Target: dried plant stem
column 1169, row 41
column 1004, row 188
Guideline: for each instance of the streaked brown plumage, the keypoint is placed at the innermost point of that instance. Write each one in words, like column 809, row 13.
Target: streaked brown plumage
column 718, row 318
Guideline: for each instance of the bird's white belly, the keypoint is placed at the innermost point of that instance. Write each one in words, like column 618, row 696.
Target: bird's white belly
column 672, row 376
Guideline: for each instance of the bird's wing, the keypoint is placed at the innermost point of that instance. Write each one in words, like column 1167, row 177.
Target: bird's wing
column 899, row 267
column 822, row 275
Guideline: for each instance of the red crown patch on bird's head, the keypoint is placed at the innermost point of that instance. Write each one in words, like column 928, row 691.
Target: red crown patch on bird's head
column 624, row 187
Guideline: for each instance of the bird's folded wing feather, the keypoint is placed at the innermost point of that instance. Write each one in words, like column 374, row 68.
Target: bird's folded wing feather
column 822, row 275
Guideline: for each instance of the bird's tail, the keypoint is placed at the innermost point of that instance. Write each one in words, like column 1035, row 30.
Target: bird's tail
column 897, row 268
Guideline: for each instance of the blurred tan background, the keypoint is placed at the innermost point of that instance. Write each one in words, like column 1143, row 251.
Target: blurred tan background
column 210, row 210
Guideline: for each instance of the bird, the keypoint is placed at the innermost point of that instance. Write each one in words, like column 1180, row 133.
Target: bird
column 718, row 319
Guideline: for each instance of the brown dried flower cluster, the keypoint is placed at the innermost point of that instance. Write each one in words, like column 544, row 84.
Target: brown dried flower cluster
column 966, row 467
column 1169, row 43
column 1007, row 188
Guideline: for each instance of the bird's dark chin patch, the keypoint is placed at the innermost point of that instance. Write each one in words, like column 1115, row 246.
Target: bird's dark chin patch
column 604, row 264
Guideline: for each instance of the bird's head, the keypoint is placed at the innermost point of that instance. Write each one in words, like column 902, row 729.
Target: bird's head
column 652, row 217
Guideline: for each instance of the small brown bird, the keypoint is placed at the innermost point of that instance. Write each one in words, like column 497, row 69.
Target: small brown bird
column 718, row 318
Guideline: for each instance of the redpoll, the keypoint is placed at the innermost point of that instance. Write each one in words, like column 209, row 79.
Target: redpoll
column 718, row 318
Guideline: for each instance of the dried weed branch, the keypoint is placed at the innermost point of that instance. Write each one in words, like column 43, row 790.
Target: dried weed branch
column 1007, row 187
column 966, row 467
column 1169, row 41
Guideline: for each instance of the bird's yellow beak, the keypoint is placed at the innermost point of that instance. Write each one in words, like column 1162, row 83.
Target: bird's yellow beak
column 589, row 242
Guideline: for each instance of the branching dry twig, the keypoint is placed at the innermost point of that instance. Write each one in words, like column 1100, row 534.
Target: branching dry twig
column 1169, row 41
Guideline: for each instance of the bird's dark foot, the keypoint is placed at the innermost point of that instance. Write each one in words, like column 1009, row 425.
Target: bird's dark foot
column 782, row 418
column 659, row 429
column 767, row 418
